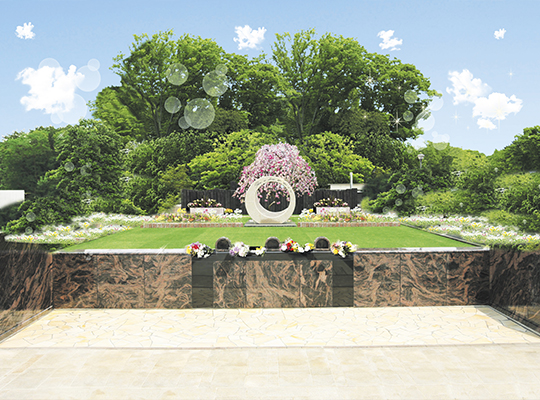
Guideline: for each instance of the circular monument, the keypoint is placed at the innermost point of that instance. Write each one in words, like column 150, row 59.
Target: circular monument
column 258, row 212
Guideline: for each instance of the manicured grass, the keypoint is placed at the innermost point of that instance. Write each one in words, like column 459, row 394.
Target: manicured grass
column 176, row 238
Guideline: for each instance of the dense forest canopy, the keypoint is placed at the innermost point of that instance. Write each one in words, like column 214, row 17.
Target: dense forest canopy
column 189, row 115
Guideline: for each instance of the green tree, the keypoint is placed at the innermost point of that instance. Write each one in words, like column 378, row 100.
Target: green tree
column 523, row 154
column 332, row 158
column 108, row 107
column 332, row 74
column 371, row 136
column 87, row 177
column 25, row 158
column 223, row 166
column 144, row 73
column 254, row 87
column 315, row 75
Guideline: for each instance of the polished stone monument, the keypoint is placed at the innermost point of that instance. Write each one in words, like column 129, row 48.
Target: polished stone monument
column 263, row 217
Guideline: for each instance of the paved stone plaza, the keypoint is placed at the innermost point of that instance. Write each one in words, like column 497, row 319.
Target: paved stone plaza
column 461, row 352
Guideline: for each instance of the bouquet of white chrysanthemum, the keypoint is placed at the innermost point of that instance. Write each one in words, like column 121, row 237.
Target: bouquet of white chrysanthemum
column 239, row 249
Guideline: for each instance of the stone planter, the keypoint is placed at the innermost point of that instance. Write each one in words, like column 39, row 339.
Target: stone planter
column 333, row 210
column 207, row 210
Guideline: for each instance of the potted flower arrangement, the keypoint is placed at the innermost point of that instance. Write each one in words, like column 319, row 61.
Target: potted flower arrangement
column 332, row 205
column 205, row 206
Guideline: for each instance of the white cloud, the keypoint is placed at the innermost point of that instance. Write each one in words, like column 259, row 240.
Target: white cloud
column 499, row 34
column 486, row 123
column 51, row 89
column 25, row 32
column 389, row 41
column 496, row 106
column 247, row 37
column 465, row 88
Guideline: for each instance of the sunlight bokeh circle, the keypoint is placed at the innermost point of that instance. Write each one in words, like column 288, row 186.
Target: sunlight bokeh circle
column 172, row 105
column 221, row 69
column 199, row 113
column 182, row 123
column 410, row 96
column 215, row 84
column 177, row 74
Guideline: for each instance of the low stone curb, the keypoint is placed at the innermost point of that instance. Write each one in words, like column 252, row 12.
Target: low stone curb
column 344, row 224
column 194, row 225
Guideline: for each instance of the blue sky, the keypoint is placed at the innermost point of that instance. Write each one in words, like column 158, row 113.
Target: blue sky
column 482, row 55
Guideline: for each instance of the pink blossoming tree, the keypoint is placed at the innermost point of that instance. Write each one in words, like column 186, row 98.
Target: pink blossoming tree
column 281, row 160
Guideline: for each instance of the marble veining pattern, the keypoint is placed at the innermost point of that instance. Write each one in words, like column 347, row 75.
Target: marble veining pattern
column 468, row 278
column 423, row 279
column 377, row 278
column 75, row 283
column 120, row 280
column 316, row 283
column 25, row 283
column 272, row 284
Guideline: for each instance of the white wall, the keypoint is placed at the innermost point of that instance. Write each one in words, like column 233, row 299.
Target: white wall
column 8, row 197
column 345, row 186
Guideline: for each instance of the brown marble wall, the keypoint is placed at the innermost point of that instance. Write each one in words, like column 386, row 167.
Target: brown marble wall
column 377, row 279
column 280, row 282
column 405, row 278
column 128, row 280
column 515, row 284
column 25, row 284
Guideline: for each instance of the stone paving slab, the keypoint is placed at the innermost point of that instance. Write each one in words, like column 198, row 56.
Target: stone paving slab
column 400, row 353
column 509, row 371
column 220, row 328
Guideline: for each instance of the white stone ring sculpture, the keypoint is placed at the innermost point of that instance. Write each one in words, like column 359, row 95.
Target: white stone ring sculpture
column 261, row 215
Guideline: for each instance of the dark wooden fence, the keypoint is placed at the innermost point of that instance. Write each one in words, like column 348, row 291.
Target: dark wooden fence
column 225, row 197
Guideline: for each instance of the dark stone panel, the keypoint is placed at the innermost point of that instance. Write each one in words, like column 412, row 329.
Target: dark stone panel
column 533, row 309
column 468, row 278
column 377, row 279
column 423, row 279
column 343, row 297
column 120, row 280
column 229, row 283
column 202, row 297
column 510, row 278
column 74, row 281
column 316, row 283
column 25, row 283
column 167, row 280
column 272, row 284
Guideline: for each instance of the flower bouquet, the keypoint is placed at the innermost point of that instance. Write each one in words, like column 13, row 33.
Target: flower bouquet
column 290, row 246
column 239, row 249
column 199, row 250
column 343, row 248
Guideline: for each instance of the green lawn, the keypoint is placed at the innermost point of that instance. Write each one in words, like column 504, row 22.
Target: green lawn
column 175, row 238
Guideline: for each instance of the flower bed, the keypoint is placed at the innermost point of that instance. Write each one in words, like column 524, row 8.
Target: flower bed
column 475, row 229
column 344, row 224
column 194, row 225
